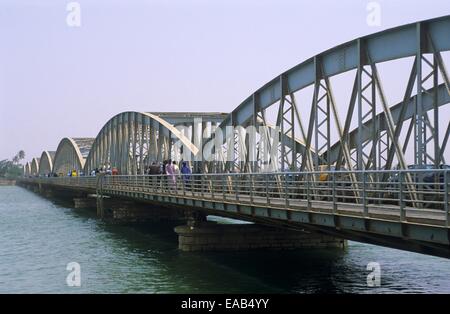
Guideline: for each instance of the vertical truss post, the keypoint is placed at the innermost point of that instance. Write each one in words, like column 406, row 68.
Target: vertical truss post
column 419, row 127
column 133, row 130
column 439, row 67
column 108, row 144
column 287, row 126
column 252, row 153
column 425, row 131
column 205, row 136
column 119, row 145
column 142, row 133
column 126, row 145
column 169, row 147
column 160, row 144
column 321, row 113
column 230, row 143
column 366, row 112
column 114, row 140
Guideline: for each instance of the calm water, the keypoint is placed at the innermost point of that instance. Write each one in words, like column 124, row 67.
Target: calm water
column 38, row 238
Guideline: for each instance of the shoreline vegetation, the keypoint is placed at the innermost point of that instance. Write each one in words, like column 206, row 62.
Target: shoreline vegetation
column 11, row 169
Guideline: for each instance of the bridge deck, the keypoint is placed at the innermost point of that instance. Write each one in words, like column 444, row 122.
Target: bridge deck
column 405, row 227
column 382, row 211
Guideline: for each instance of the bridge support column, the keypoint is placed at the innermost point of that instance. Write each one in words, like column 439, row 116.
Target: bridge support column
column 120, row 211
column 211, row 236
column 195, row 218
column 84, row 202
column 48, row 193
column 100, row 204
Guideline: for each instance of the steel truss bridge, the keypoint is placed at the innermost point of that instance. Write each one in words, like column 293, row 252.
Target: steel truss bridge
column 376, row 174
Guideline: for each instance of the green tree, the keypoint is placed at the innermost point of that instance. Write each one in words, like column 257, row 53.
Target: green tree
column 12, row 168
column 18, row 157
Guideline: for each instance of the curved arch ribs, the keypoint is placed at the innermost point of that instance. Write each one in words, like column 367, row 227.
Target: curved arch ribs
column 70, row 155
column 374, row 147
column 130, row 141
column 34, row 167
column 46, row 163
column 27, row 169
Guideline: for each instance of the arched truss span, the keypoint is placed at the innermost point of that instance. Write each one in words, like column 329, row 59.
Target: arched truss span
column 27, row 169
column 423, row 42
column 71, row 154
column 401, row 112
column 46, row 163
column 131, row 141
column 34, row 167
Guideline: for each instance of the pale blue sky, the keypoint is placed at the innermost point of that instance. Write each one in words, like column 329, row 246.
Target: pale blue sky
column 58, row 81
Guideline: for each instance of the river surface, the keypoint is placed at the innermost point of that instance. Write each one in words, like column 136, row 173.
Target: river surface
column 39, row 237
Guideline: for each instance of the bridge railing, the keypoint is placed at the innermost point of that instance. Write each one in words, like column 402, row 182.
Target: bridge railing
column 395, row 194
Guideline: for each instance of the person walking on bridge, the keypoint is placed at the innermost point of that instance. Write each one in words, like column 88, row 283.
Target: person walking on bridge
column 170, row 171
column 155, row 172
column 176, row 169
column 186, row 174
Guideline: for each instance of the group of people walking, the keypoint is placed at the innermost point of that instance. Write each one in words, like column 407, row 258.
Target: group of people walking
column 172, row 170
column 105, row 169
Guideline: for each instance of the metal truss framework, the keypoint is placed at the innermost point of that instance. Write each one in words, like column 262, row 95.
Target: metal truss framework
column 27, row 169
column 71, row 155
column 403, row 111
column 46, row 163
column 375, row 141
column 130, row 141
column 34, row 167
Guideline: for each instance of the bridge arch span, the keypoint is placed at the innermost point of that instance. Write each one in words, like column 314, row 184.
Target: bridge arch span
column 423, row 42
column 443, row 98
column 71, row 154
column 35, row 166
column 46, row 163
column 27, row 169
column 131, row 140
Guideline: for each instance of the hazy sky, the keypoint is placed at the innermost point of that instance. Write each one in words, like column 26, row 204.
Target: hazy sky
column 58, row 81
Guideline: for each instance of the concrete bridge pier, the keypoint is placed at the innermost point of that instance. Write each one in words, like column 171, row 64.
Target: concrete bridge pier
column 48, row 193
column 195, row 218
column 43, row 190
column 100, row 205
column 36, row 189
column 85, row 202
column 213, row 236
column 125, row 211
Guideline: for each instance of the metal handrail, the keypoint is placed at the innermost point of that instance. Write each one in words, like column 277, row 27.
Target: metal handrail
column 289, row 189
